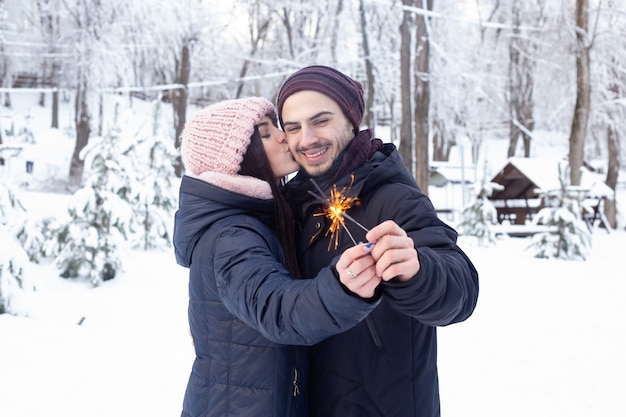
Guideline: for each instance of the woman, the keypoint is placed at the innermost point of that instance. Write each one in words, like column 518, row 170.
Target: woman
column 234, row 234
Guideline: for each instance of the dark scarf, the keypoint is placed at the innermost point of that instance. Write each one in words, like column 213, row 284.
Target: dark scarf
column 358, row 152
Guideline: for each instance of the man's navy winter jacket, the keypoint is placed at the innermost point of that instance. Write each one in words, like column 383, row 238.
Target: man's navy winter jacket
column 386, row 366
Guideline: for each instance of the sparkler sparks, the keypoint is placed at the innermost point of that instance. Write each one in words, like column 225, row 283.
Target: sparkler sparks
column 335, row 211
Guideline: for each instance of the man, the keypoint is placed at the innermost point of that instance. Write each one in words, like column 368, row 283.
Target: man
column 387, row 364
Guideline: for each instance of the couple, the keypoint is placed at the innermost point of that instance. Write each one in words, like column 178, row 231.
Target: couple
column 356, row 336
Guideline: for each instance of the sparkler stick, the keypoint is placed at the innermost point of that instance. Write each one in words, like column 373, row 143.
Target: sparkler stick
column 335, row 210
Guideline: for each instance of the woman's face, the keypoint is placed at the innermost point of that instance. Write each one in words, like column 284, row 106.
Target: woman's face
column 276, row 149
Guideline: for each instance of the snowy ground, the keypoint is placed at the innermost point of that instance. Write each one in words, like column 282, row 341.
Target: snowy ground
column 547, row 338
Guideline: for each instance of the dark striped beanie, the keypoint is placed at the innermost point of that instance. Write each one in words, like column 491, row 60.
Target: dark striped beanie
column 345, row 91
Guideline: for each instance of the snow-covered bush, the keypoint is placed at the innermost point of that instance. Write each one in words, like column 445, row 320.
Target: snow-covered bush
column 154, row 198
column 37, row 237
column 10, row 205
column 14, row 285
column 127, row 200
column 478, row 217
column 99, row 213
column 12, row 257
column 568, row 236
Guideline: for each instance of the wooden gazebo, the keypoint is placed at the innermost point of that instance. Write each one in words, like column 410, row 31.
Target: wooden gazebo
column 525, row 180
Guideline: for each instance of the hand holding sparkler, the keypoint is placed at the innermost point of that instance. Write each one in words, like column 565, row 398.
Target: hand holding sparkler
column 357, row 270
column 394, row 252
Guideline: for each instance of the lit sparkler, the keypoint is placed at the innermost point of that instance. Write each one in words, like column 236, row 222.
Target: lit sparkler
column 335, row 211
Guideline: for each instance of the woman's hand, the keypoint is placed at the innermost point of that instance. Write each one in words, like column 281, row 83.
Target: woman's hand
column 357, row 270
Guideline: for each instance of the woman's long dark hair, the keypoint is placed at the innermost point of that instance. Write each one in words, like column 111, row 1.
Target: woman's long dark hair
column 255, row 164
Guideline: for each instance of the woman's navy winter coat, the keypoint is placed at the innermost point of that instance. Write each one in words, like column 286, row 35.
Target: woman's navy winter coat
column 386, row 366
column 245, row 309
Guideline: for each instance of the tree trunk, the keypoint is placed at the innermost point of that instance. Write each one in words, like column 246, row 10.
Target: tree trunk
column 610, row 206
column 83, row 129
column 335, row 30
column 406, row 125
column 441, row 152
column 369, row 70
column 581, row 108
column 255, row 41
column 179, row 102
column 521, row 81
column 55, row 109
column 422, row 100
column 514, row 131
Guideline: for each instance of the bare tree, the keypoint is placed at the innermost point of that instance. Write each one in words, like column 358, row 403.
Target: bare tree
column 614, row 165
column 301, row 20
column 334, row 37
column 406, row 125
column 609, row 111
column 94, row 31
column 179, row 100
column 369, row 69
column 521, row 82
column 258, row 25
column 85, row 33
column 583, row 92
column 422, row 97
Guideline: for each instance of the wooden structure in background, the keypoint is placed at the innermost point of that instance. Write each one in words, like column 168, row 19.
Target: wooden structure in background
column 525, row 180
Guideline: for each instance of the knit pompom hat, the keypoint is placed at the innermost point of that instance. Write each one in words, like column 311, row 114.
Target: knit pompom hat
column 215, row 140
column 345, row 91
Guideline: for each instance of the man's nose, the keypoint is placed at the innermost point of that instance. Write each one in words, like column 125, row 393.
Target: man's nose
column 281, row 137
column 308, row 135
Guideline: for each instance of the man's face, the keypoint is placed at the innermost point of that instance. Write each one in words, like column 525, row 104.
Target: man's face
column 317, row 130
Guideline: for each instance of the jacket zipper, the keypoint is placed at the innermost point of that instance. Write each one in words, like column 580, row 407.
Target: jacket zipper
column 374, row 334
column 296, row 389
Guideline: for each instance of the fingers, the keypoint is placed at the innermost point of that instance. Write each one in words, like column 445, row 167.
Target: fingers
column 364, row 282
column 394, row 252
column 399, row 264
column 388, row 227
column 357, row 271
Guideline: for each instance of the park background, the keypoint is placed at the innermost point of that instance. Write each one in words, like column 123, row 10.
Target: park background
column 502, row 80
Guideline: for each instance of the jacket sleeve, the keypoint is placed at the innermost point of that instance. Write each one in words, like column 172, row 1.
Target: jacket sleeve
column 255, row 287
column 445, row 290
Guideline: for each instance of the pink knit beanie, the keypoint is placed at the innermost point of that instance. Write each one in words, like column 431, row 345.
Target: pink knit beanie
column 214, row 142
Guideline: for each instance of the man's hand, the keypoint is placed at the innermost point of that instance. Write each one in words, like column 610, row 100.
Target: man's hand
column 393, row 251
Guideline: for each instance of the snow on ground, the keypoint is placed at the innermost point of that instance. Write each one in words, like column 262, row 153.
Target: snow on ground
column 547, row 339
column 122, row 349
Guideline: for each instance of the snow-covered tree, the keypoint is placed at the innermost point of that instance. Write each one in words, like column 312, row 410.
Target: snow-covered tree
column 127, row 200
column 568, row 236
column 100, row 213
column 13, row 281
column 154, row 197
column 38, row 236
column 478, row 217
column 10, row 204
column 13, row 259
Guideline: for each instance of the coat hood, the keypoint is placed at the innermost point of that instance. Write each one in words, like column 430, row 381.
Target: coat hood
column 202, row 204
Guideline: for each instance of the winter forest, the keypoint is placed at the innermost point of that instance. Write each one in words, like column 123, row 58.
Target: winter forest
column 437, row 76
